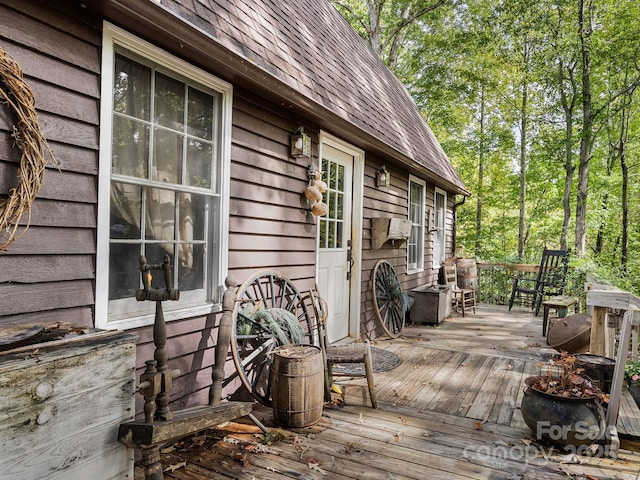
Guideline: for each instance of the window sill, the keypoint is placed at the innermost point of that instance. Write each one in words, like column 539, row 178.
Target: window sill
column 169, row 316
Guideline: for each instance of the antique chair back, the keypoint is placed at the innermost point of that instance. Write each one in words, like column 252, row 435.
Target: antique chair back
column 550, row 280
column 358, row 352
column 462, row 299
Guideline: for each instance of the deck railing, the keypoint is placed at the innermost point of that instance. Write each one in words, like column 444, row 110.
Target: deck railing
column 606, row 303
column 608, row 306
column 495, row 281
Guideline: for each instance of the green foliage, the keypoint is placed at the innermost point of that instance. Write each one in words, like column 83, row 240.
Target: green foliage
column 632, row 372
column 467, row 64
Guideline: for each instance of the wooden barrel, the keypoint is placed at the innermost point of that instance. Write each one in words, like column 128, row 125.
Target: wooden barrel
column 297, row 385
column 467, row 273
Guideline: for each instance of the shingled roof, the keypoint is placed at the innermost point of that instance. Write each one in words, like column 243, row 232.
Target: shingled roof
column 307, row 46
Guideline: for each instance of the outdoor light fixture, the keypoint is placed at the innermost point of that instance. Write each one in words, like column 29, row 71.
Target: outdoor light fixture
column 300, row 144
column 382, row 177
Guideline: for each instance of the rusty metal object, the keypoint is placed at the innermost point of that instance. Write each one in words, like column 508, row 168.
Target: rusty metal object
column 571, row 333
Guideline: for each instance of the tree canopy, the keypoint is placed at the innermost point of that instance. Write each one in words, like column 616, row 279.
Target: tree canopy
column 536, row 104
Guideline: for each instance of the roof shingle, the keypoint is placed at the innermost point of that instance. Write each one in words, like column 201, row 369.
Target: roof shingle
column 309, row 47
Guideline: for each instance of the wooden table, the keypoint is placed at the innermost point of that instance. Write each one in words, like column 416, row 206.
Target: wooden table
column 558, row 303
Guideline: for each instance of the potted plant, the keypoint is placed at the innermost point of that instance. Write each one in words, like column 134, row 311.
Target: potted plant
column 632, row 378
column 562, row 405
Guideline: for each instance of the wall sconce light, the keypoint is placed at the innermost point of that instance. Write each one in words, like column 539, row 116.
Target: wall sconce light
column 382, row 177
column 300, row 144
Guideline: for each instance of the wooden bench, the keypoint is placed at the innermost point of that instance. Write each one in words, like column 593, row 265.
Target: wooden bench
column 561, row 304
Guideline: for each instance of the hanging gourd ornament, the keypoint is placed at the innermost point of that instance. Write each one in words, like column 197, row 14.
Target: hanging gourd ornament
column 312, row 193
column 319, row 209
column 320, row 185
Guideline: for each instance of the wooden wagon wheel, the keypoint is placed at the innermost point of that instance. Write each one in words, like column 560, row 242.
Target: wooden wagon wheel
column 388, row 299
column 253, row 341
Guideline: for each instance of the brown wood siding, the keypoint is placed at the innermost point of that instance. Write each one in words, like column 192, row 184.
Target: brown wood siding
column 392, row 201
column 270, row 225
column 388, row 201
column 48, row 274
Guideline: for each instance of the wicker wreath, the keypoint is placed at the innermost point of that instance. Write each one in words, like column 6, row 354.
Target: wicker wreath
column 15, row 92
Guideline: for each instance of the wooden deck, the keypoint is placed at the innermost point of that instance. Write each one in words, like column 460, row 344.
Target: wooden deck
column 449, row 411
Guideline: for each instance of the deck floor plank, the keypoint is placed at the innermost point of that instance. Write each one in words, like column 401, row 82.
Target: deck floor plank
column 505, row 404
column 450, row 411
column 489, row 390
column 629, row 416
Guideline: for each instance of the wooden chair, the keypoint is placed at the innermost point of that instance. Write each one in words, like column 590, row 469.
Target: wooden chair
column 462, row 299
column 359, row 353
column 550, row 280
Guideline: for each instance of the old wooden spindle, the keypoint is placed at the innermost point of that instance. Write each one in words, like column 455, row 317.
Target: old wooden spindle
column 160, row 425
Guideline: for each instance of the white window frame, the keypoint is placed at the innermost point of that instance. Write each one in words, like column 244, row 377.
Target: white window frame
column 439, row 229
column 417, row 224
column 116, row 37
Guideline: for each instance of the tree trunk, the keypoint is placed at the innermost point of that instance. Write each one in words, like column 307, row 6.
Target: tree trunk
column 568, row 105
column 375, row 32
column 522, row 218
column 585, row 18
column 478, row 246
column 624, row 254
column 397, row 40
column 623, row 137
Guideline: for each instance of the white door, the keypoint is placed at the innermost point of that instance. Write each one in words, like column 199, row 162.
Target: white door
column 335, row 254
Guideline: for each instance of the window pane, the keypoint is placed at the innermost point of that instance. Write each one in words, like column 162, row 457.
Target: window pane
column 331, row 202
column 132, row 88
column 339, row 234
column 169, row 102
column 167, row 156
column 192, row 214
column 161, row 209
column 191, row 276
column 325, row 171
column 332, row 234
column 332, row 183
column 200, row 114
column 126, row 208
column 199, row 159
column 340, row 178
column 130, row 152
column 155, row 253
column 124, row 273
column 413, row 246
column 323, row 233
column 439, row 210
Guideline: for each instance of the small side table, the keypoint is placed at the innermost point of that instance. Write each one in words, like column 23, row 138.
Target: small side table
column 559, row 303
